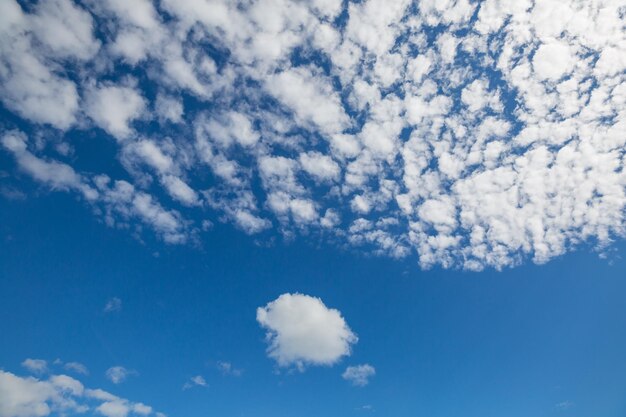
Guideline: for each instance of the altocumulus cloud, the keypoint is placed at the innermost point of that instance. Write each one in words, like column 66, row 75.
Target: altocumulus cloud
column 302, row 331
column 470, row 134
column 61, row 395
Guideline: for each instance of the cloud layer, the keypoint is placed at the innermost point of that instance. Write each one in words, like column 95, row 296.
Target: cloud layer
column 470, row 134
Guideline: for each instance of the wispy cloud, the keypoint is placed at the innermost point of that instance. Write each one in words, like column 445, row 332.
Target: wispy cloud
column 195, row 381
column 227, row 368
column 564, row 405
column 118, row 374
column 37, row 366
column 113, row 305
column 77, row 367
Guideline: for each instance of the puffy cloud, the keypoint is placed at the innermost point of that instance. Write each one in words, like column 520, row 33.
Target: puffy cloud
column 26, row 397
column 311, row 98
column 359, row 375
column 113, row 107
column 319, row 166
column 553, row 60
column 65, row 29
column 60, row 395
column 497, row 140
column 30, row 83
column 302, row 331
column 232, row 127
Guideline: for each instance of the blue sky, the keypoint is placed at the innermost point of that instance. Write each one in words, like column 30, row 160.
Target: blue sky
column 443, row 343
column 288, row 208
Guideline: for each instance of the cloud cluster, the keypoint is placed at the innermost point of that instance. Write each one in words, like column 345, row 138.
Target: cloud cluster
column 472, row 134
column 61, row 395
column 302, row 331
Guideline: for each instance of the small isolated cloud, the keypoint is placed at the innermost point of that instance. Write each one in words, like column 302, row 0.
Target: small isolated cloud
column 227, row 368
column 36, row 366
column 112, row 305
column 359, row 375
column 564, row 405
column 301, row 331
column 118, row 374
column 77, row 367
column 195, row 381
column 366, row 407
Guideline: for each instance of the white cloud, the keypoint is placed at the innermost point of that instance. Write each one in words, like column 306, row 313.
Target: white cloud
column 232, row 127
column 302, row 331
column 114, row 107
column 29, row 85
column 553, row 60
column 65, row 29
column 359, row 375
column 169, row 108
column 56, row 175
column 227, row 368
column 59, row 395
column 37, row 366
column 195, row 381
column 29, row 397
column 495, row 141
column 319, row 166
column 311, row 98
column 118, row 374
column 180, row 191
column 77, row 367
